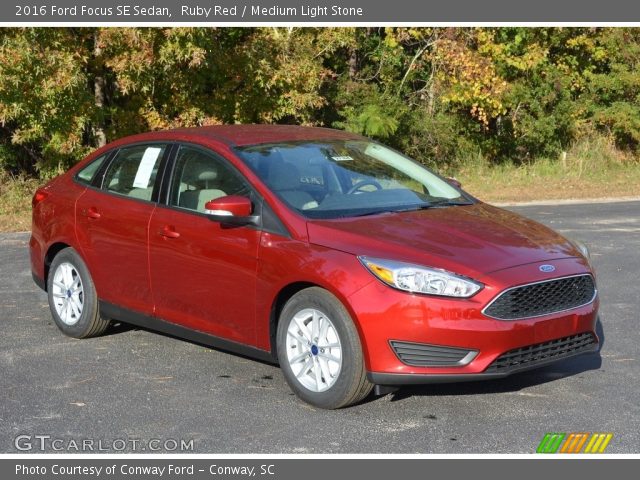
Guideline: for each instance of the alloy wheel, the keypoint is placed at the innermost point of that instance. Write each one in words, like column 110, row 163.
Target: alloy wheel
column 313, row 350
column 68, row 293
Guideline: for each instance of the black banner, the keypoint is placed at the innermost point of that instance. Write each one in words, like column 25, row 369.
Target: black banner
column 317, row 11
column 311, row 469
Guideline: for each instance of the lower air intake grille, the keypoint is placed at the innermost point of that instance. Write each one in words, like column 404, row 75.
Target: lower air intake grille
column 542, row 352
column 542, row 298
column 423, row 355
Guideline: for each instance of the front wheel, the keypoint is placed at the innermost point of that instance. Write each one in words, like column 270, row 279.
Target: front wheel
column 319, row 350
column 72, row 297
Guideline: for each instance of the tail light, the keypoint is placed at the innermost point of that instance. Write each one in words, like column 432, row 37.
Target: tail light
column 38, row 197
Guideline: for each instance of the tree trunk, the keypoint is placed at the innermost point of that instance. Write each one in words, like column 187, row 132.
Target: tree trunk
column 99, row 93
column 353, row 60
column 353, row 63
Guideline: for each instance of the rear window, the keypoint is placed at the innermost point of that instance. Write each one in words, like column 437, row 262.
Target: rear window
column 87, row 173
column 133, row 171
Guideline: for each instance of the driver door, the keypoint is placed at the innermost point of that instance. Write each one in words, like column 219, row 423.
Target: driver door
column 203, row 273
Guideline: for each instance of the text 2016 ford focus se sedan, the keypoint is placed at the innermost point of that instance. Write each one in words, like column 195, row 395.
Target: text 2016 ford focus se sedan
column 343, row 260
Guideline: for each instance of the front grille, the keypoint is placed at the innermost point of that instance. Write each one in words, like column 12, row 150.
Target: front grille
column 423, row 355
column 542, row 298
column 542, row 353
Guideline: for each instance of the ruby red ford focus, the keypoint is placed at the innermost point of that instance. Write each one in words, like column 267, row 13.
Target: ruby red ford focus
column 342, row 260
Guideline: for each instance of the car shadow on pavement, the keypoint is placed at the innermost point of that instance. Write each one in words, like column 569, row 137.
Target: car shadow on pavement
column 519, row 381
column 118, row 327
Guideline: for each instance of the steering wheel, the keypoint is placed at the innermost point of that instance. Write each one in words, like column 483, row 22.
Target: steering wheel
column 359, row 185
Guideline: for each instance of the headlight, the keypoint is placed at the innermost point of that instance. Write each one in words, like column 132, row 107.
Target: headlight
column 417, row 279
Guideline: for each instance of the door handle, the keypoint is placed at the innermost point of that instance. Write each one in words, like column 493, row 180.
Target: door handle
column 169, row 232
column 91, row 213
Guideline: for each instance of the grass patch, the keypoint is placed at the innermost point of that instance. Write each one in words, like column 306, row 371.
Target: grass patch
column 15, row 202
column 590, row 169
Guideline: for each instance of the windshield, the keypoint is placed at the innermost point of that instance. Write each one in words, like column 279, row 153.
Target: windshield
column 334, row 179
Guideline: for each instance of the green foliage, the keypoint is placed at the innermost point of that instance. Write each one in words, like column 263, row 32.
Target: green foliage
column 442, row 95
column 43, row 97
column 374, row 122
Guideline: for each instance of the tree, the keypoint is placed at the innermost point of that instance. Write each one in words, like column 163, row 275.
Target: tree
column 439, row 94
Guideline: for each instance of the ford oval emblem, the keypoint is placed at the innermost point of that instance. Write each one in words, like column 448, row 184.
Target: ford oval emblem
column 547, row 268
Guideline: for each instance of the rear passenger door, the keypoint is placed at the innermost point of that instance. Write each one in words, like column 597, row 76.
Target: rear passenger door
column 112, row 217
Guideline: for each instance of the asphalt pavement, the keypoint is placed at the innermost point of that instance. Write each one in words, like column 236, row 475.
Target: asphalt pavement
column 120, row 391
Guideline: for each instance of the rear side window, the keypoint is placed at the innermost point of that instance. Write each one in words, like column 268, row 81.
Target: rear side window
column 133, row 171
column 87, row 173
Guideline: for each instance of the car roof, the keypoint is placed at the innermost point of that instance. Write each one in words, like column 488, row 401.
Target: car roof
column 243, row 135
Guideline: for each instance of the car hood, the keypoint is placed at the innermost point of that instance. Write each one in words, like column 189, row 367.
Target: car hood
column 471, row 240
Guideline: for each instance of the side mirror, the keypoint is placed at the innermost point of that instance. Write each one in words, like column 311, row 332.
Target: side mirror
column 454, row 182
column 231, row 210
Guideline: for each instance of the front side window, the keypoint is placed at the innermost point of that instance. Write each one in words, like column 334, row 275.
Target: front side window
column 133, row 171
column 333, row 179
column 199, row 177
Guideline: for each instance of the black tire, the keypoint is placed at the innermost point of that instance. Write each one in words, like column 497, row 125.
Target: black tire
column 89, row 323
column 351, row 385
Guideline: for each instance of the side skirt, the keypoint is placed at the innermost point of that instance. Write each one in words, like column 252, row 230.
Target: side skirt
column 118, row 313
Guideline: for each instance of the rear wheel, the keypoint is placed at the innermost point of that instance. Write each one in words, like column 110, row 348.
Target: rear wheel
column 319, row 350
column 72, row 297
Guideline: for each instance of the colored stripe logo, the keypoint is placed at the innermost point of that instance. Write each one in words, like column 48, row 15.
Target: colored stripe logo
column 550, row 443
column 574, row 442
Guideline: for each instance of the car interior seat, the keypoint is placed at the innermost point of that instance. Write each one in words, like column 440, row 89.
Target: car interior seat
column 196, row 199
column 284, row 179
column 124, row 179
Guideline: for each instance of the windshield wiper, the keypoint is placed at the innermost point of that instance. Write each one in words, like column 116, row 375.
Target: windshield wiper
column 412, row 208
column 448, row 203
column 366, row 214
column 433, row 204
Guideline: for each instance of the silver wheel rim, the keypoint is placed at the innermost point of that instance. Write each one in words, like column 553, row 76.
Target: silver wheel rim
column 68, row 294
column 314, row 351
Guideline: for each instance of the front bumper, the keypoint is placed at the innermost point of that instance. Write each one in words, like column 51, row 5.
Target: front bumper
column 491, row 373
column 386, row 315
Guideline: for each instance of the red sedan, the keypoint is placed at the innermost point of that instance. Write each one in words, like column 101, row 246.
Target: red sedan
column 342, row 260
